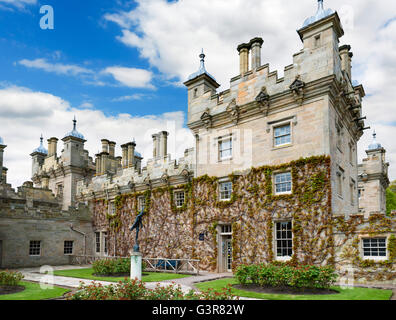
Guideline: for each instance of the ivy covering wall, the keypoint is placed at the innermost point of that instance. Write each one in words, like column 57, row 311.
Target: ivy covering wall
column 252, row 211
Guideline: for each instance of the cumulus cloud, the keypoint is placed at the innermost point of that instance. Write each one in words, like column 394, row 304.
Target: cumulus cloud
column 52, row 116
column 170, row 36
column 131, row 77
column 20, row 4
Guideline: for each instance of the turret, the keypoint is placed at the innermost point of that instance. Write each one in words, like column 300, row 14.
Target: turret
column 3, row 170
column 73, row 147
column 38, row 155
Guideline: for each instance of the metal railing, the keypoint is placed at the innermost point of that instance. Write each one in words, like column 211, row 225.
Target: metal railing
column 188, row 266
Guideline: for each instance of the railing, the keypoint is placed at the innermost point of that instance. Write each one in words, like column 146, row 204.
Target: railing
column 189, row 266
column 172, row 265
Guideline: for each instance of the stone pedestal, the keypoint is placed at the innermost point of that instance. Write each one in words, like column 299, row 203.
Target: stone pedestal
column 136, row 265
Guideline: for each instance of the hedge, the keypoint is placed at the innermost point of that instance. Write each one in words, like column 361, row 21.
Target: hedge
column 10, row 278
column 300, row 277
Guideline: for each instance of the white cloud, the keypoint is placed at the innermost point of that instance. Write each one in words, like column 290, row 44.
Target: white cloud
column 57, row 68
column 131, row 77
column 135, row 96
column 43, row 113
column 11, row 5
column 170, row 36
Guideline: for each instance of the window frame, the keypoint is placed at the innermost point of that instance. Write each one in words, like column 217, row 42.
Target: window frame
column 112, row 208
column 275, row 183
column 97, row 242
column 176, row 199
column 65, row 247
column 141, row 203
column 276, row 239
column 220, row 141
column 274, row 137
column 220, row 191
column 378, row 248
column 35, row 248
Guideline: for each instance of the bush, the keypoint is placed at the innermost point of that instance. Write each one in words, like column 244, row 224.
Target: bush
column 135, row 290
column 10, row 278
column 107, row 267
column 302, row 277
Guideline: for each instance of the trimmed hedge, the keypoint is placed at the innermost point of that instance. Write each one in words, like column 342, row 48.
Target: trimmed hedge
column 107, row 267
column 10, row 278
column 302, row 277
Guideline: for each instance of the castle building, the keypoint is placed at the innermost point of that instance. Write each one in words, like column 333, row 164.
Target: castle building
column 273, row 175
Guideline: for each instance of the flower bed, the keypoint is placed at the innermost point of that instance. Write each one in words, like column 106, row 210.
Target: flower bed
column 289, row 277
column 135, row 290
column 9, row 282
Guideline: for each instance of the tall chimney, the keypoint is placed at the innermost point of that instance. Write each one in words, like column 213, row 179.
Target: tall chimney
column 256, row 45
column 2, row 147
column 131, row 154
column 156, row 138
column 346, row 60
column 105, row 145
column 163, row 144
column 112, row 146
column 243, row 50
column 124, row 148
column 52, row 146
column 98, row 164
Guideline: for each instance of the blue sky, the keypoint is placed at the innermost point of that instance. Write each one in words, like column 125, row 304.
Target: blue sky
column 81, row 37
column 119, row 66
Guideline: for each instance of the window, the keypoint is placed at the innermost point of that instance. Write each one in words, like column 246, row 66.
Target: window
column 68, row 247
column 35, row 248
column 360, row 193
column 283, row 183
column 225, row 189
column 179, row 198
column 97, row 242
column 282, row 135
column 374, row 247
column 352, row 191
column 317, row 41
column 105, row 243
column 340, row 180
column 284, row 239
column 112, row 208
column 339, row 137
column 59, row 190
column 141, row 203
column 351, row 152
column 226, row 229
column 225, row 148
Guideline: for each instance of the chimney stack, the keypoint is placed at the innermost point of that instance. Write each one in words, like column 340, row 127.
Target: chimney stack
column 124, row 148
column 346, row 60
column 256, row 45
column 163, row 144
column 156, row 139
column 243, row 50
column 131, row 154
column 98, row 164
column 105, row 145
column 112, row 146
column 52, row 146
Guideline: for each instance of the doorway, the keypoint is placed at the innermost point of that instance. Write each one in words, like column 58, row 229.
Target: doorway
column 226, row 248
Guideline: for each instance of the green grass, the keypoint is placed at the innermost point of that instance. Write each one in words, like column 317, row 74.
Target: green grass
column 88, row 274
column 344, row 294
column 33, row 291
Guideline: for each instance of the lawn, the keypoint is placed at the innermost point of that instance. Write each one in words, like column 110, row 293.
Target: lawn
column 33, row 291
column 344, row 294
column 88, row 274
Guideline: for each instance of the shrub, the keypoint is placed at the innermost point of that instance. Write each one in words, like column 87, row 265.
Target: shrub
column 135, row 290
column 106, row 267
column 300, row 277
column 10, row 278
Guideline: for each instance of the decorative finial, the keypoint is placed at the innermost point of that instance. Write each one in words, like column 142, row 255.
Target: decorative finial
column 74, row 123
column 41, row 139
column 374, row 135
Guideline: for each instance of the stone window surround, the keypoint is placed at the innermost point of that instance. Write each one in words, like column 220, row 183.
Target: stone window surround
column 274, row 174
column 373, row 257
column 66, row 248
column 35, row 245
column 284, row 258
column 103, row 234
column 339, row 135
column 141, row 201
column 112, row 208
column 220, row 140
column 340, row 176
column 271, row 125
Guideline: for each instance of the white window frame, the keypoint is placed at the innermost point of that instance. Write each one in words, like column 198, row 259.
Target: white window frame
column 34, row 248
column 221, row 141
column 221, row 191
column 112, row 208
column 141, row 203
column 281, row 125
column 275, row 183
column 286, row 257
column 98, row 242
column 375, row 257
column 178, row 201
column 105, row 243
